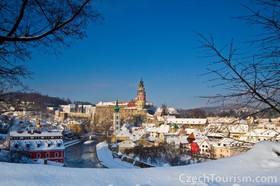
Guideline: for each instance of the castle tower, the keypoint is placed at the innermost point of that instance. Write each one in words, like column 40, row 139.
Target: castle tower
column 141, row 96
column 116, row 118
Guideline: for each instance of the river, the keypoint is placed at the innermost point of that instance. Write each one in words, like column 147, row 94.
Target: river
column 82, row 155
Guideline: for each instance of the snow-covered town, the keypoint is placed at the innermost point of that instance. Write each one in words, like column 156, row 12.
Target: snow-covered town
column 256, row 144
column 164, row 140
column 139, row 93
column 211, row 138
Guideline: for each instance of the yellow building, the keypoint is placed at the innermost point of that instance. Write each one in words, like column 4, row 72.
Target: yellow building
column 227, row 147
column 192, row 123
column 76, row 127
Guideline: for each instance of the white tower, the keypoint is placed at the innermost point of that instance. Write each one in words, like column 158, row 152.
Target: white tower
column 116, row 118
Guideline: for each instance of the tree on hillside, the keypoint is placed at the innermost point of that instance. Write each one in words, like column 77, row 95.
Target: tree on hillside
column 43, row 24
column 195, row 113
column 254, row 77
column 164, row 109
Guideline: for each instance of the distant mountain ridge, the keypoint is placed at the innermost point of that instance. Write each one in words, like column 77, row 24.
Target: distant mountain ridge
column 229, row 110
column 36, row 98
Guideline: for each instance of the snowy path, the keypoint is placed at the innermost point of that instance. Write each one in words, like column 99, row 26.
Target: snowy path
column 105, row 157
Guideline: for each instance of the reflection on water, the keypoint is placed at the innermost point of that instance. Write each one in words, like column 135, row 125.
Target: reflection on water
column 82, row 155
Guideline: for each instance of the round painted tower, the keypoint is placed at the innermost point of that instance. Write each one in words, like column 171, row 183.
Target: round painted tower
column 141, row 96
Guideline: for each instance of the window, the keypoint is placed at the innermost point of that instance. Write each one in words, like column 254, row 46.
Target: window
column 47, row 155
column 38, row 155
column 16, row 146
column 56, row 154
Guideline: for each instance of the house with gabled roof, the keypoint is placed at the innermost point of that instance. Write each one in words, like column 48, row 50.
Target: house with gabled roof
column 47, row 145
column 227, row 147
column 194, row 123
column 126, row 144
column 257, row 135
column 204, row 146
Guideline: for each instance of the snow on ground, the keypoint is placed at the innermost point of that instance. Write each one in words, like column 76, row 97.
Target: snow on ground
column 106, row 158
column 52, row 163
column 258, row 166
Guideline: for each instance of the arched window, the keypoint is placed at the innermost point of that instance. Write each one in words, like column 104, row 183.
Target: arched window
column 47, row 155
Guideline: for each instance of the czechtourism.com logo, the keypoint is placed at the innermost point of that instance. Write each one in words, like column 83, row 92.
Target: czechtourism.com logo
column 213, row 178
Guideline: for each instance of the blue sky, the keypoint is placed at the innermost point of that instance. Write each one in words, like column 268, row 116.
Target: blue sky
column 149, row 39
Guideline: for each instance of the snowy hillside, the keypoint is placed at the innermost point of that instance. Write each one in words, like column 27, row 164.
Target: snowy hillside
column 259, row 166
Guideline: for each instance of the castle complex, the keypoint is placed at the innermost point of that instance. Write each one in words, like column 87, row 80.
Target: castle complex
column 133, row 111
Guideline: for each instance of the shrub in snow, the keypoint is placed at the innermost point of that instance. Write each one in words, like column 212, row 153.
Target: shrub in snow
column 15, row 157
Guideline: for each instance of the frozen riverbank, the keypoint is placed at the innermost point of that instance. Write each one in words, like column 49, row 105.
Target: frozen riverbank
column 106, row 158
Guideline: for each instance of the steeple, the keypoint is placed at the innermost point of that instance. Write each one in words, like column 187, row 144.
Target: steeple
column 141, row 83
column 117, row 108
column 141, row 95
column 116, row 118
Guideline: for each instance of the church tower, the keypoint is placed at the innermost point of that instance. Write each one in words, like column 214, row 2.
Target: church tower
column 116, row 118
column 141, row 96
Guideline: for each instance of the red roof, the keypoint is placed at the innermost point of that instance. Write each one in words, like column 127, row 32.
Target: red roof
column 131, row 104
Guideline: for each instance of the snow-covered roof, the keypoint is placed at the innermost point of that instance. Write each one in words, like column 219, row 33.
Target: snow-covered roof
column 160, row 118
column 34, row 140
column 170, row 110
column 137, row 134
column 228, row 120
column 74, row 122
column 21, row 133
column 213, row 134
column 189, row 131
column 127, row 143
column 164, row 128
column 172, row 139
column 263, row 132
column 227, row 142
column 183, row 139
column 123, row 133
column 240, row 128
column 110, row 103
column 152, row 129
column 183, row 121
column 166, row 117
column 37, row 145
